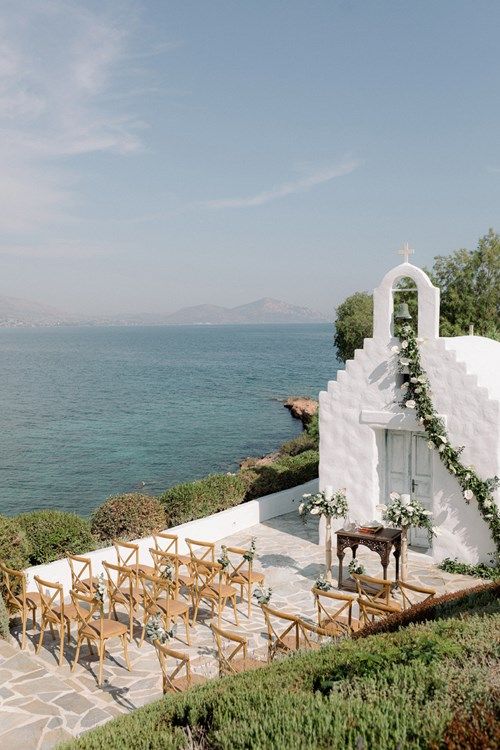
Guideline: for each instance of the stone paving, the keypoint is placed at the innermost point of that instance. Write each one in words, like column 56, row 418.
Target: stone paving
column 42, row 704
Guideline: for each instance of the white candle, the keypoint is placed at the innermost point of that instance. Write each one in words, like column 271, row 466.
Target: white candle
column 405, row 499
column 328, row 492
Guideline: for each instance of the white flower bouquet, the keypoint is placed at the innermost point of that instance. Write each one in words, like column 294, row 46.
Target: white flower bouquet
column 322, row 584
column 329, row 504
column 356, row 567
column 156, row 631
column 405, row 511
column 262, row 595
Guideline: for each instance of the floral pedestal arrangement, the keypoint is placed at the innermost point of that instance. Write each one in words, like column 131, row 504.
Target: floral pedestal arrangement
column 329, row 504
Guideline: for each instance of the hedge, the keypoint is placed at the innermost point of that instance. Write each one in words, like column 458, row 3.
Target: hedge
column 127, row 517
column 54, row 533
column 409, row 689
column 4, row 620
column 285, row 472
column 186, row 502
column 15, row 548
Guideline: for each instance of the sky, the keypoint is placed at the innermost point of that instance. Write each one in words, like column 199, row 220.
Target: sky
column 162, row 154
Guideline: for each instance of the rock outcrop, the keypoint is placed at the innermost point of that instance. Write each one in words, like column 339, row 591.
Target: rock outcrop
column 302, row 407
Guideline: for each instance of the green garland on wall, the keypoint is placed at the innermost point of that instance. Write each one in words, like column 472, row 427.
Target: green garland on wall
column 417, row 396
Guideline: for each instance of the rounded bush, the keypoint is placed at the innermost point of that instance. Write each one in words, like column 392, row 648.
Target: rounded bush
column 54, row 533
column 128, row 516
column 185, row 502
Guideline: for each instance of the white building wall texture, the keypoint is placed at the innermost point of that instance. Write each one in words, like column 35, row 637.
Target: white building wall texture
column 363, row 402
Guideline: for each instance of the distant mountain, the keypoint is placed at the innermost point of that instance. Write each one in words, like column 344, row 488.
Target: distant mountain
column 266, row 310
column 21, row 312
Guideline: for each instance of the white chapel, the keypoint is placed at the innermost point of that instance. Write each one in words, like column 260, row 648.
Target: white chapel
column 372, row 446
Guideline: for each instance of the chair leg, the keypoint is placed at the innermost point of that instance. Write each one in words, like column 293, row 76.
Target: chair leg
column 89, row 643
column 68, row 627
column 77, row 654
column 186, row 623
column 101, row 660
column 235, row 609
column 40, row 640
column 61, row 645
column 125, row 651
column 52, row 630
column 33, row 616
column 143, row 633
column 24, row 617
column 249, row 595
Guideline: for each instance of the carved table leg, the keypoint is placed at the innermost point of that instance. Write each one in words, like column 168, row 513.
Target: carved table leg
column 340, row 555
column 397, row 555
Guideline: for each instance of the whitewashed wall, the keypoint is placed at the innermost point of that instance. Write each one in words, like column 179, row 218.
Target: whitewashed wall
column 364, row 401
column 209, row 529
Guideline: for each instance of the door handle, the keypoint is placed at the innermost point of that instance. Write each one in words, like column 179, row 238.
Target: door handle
column 413, row 485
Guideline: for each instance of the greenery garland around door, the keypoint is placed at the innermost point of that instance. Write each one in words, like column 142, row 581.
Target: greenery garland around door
column 417, row 396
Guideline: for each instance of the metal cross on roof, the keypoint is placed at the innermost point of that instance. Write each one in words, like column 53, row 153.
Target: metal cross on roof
column 406, row 251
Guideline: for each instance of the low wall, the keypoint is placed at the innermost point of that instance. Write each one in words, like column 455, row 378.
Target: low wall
column 209, row 529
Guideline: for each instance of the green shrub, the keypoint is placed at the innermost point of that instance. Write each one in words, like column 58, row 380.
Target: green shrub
column 14, row 546
column 54, row 533
column 481, row 570
column 393, row 690
column 4, row 621
column 286, row 472
column 185, row 502
column 312, row 428
column 128, row 516
column 299, row 444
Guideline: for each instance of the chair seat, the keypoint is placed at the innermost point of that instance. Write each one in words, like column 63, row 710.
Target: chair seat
column 33, row 599
column 244, row 576
column 339, row 625
column 104, row 629
column 186, row 580
column 184, row 559
column 122, row 595
column 86, row 583
column 244, row 665
column 182, row 683
column 150, row 570
column 214, row 591
column 173, row 607
column 70, row 612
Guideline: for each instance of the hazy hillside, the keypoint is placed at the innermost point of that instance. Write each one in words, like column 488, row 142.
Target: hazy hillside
column 266, row 310
column 21, row 312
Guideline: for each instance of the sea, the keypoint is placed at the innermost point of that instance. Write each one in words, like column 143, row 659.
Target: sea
column 88, row 412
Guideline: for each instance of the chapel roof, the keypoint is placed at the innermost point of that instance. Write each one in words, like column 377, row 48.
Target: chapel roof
column 481, row 356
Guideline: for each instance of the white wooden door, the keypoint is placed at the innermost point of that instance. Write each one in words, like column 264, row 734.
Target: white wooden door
column 409, row 471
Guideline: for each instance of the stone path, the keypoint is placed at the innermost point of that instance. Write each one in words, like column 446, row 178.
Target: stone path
column 42, row 704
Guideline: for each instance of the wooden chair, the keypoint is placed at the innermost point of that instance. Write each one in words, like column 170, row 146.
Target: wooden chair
column 158, row 598
column 123, row 589
column 54, row 612
column 127, row 554
column 372, row 611
column 408, row 591
column 81, row 574
column 202, row 552
column 241, row 573
column 163, row 559
column 209, row 586
column 98, row 630
column 284, row 641
column 376, row 590
column 311, row 635
column 237, row 659
column 170, row 543
column 17, row 599
column 334, row 610
column 171, row 682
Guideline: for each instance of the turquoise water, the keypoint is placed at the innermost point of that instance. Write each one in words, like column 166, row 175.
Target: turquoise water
column 89, row 412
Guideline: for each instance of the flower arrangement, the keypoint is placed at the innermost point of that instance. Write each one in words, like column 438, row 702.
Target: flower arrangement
column 250, row 553
column 405, row 511
column 262, row 595
column 223, row 560
column 356, row 567
column 326, row 503
column 156, row 631
column 322, row 584
column 167, row 571
column 100, row 589
column 417, row 396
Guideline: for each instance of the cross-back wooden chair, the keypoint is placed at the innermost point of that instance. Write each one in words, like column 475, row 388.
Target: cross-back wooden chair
column 372, row 611
column 312, row 636
column 202, row 552
column 54, row 613
column 241, row 572
column 376, row 590
column 163, row 559
column 334, row 610
column 127, row 555
column 17, row 599
column 171, row 682
column 209, row 586
column 411, row 593
column 282, row 641
column 81, row 574
column 159, row 598
column 96, row 630
column 233, row 659
column 170, row 543
column 123, row 589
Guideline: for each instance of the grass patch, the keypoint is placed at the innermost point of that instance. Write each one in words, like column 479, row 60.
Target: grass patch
column 403, row 689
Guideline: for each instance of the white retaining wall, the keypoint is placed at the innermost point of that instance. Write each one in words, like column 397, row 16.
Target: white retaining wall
column 209, row 529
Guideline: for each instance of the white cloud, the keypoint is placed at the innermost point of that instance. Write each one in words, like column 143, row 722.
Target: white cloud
column 58, row 61
column 301, row 185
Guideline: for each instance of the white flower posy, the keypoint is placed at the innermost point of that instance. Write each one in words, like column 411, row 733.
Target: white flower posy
column 332, row 505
